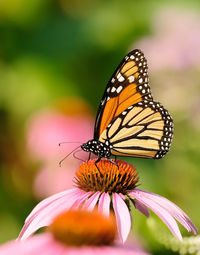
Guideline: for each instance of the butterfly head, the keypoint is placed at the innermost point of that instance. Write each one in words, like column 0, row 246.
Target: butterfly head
column 98, row 148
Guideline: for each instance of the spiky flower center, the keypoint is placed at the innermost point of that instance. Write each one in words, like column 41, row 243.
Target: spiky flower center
column 79, row 227
column 120, row 177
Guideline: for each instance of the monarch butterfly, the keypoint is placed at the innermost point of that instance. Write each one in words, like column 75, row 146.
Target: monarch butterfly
column 128, row 121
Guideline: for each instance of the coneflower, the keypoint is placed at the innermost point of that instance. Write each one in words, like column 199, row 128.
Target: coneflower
column 72, row 233
column 108, row 188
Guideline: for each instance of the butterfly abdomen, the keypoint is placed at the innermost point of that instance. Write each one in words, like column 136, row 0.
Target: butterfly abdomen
column 102, row 150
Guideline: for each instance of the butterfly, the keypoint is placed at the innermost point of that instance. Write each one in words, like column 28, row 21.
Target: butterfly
column 129, row 122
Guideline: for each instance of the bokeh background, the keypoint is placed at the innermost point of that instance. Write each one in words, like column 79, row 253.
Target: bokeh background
column 56, row 57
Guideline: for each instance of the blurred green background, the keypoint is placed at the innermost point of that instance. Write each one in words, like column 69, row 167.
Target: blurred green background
column 58, row 53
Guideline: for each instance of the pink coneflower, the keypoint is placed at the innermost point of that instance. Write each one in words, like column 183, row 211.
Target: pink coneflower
column 109, row 188
column 75, row 232
column 45, row 130
column 51, row 178
column 174, row 44
column 173, row 55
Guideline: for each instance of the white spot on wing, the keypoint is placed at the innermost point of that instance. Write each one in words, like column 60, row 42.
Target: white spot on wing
column 121, row 78
column 103, row 101
column 119, row 75
column 131, row 78
column 113, row 80
column 113, row 89
column 140, row 80
column 119, row 89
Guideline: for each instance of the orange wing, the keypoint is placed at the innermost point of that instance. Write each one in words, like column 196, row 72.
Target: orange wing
column 128, row 86
column 143, row 130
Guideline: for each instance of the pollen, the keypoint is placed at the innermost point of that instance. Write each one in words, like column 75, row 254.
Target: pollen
column 79, row 227
column 105, row 176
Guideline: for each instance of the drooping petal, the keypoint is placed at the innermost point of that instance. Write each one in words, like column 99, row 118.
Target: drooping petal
column 122, row 196
column 122, row 216
column 163, row 214
column 173, row 209
column 104, row 204
column 92, row 201
column 142, row 208
column 48, row 201
column 79, row 201
column 47, row 213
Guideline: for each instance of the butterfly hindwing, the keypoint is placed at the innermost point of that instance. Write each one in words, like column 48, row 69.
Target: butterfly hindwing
column 127, row 86
column 142, row 130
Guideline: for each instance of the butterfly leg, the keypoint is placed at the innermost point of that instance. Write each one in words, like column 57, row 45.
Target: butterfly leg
column 89, row 156
column 97, row 166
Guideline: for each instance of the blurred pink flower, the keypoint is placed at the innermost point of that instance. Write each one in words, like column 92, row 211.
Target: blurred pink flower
column 175, row 40
column 48, row 128
column 105, row 190
column 173, row 56
column 44, row 244
column 52, row 179
column 74, row 232
column 45, row 130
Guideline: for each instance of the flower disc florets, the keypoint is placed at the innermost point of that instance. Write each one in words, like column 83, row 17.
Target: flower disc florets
column 79, row 227
column 108, row 177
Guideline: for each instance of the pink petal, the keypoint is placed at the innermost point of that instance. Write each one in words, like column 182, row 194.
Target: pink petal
column 81, row 200
column 142, row 208
column 122, row 216
column 48, row 246
column 48, row 201
column 31, row 246
column 45, row 244
column 160, row 211
column 173, row 209
column 46, row 214
column 104, row 204
column 122, row 196
column 92, row 201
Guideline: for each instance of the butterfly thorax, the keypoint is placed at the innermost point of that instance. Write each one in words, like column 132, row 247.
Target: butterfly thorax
column 98, row 148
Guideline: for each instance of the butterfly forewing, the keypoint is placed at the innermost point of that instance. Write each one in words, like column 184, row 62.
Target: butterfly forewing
column 127, row 86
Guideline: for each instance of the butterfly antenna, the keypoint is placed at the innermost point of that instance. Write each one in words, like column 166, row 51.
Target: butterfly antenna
column 60, row 163
column 67, row 142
